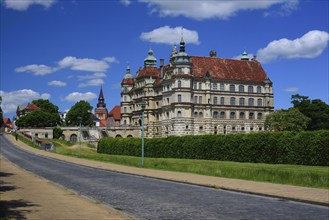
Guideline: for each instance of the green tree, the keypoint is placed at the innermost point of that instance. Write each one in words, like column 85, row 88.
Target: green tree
column 286, row 120
column 57, row 132
column 80, row 113
column 316, row 110
column 38, row 119
column 1, row 117
column 45, row 105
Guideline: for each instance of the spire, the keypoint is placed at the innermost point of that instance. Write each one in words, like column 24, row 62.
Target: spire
column 101, row 99
column 101, row 96
column 128, row 73
column 182, row 45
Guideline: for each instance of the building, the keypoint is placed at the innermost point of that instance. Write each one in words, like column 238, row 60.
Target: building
column 23, row 110
column 101, row 112
column 196, row 95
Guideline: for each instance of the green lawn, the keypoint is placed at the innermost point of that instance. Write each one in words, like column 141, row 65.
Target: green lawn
column 309, row 176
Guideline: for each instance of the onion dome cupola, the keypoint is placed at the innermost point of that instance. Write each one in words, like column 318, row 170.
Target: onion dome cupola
column 150, row 60
column 182, row 58
column 128, row 73
column 244, row 56
column 128, row 78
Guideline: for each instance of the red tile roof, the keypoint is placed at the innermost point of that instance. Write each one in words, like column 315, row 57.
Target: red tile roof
column 116, row 113
column 31, row 107
column 102, row 123
column 6, row 120
column 228, row 69
column 148, row 71
column 128, row 81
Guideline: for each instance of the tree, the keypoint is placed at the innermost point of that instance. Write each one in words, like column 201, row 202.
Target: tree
column 80, row 113
column 286, row 120
column 1, row 117
column 47, row 116
column 316, row 110
column 57, row 132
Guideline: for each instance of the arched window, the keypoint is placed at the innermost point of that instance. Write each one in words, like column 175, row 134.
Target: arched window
column 232, row 88
column 215, row 100
column 195, row 114
column 251, row 102
column 242, row 115
column 251, row 115
column 222, row 87
column 241, row 101
column 222, row 100
column 232, row 102
column 259, row 116
column 200, row 115
column 179, row 114
column 232, row 115
column 241, row 88
column 259, row 89
column 215, row 114
column 179, row 84
column 222, row 115
column 260, row 102
column 250, row 89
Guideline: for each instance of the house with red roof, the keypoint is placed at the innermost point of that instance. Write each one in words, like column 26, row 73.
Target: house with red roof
column 23, row 110
column 194, row 95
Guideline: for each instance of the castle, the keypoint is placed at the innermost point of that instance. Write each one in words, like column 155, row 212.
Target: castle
column 195, row 95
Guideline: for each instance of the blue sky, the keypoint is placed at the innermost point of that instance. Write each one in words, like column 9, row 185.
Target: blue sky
column 65, row 51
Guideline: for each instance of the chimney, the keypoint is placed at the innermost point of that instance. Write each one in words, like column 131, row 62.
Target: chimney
column 161, row 63
column 254, row 58
column 212, row 53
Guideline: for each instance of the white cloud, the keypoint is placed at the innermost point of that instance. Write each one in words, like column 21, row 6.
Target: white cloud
column 77, row 96
column 209, row 9
column 22, row 5
column 35, row 69
column 92, row 76
column 309, row 45
column 84, row 64
column 291, row 89
column 111, row 60
column 168, row 35
column 92, row 82
column 10, row 100
column 125, row 2
column 56, row 83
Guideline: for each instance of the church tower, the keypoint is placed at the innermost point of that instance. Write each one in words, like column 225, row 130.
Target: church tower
column 101, row 110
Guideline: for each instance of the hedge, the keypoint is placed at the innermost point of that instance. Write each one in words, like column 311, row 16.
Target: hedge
column 304, row 148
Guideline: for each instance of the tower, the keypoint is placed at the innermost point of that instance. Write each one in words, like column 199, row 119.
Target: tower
column 101, row 110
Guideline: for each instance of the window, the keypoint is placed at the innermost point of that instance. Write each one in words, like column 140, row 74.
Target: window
column 194, row 85
column 260, row 102
column 179, row 97
column 200, row 115
column 222, row 100
column 222, row 115
column 241, row 101
column 200, row 85
column 222, row 88
column 241, row 88
column 179, row 114
column 125, row 110
column 125, row 89
column 232, row 101
column 241, row 115
column 195, row 114
column 167, row 87
column 232, row 88
column 215, row 100
column 251, row 115
column 232, row 115
column 215, row 86
column 215, row 114
column 168, row 101
column 179, row 70
column 179, row 84
column 200, row 99
column 125, row 98
column 259, row 116
column 195, row 99
column 250, row 89
column 251, row 102
column 259, row 89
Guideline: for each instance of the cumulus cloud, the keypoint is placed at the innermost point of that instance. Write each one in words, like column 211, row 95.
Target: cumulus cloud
column 10, row 100
column 38, row 70
column 125, row 2
column 22, row 5
column 309, row 45
column 291, row 89
column 92, row 82
column 209, row 9
column 168, row 35
column 84, row 64
column 56, row 83
column 77, row 96
column 92, row 76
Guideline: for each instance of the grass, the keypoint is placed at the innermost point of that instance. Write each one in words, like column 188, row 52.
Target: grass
column 308, row 176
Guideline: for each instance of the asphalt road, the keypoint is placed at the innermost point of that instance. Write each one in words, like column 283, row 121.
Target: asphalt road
column 147, row 198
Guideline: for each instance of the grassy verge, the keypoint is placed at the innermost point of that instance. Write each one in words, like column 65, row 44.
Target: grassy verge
column 308, row 176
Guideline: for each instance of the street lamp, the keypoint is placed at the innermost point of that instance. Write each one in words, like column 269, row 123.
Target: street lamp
column 80, row 119
column 143, row 108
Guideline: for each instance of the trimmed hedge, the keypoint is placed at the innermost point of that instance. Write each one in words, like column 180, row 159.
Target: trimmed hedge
column 304, row 148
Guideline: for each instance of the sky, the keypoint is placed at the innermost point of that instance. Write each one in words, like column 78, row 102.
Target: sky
column 66, row 50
